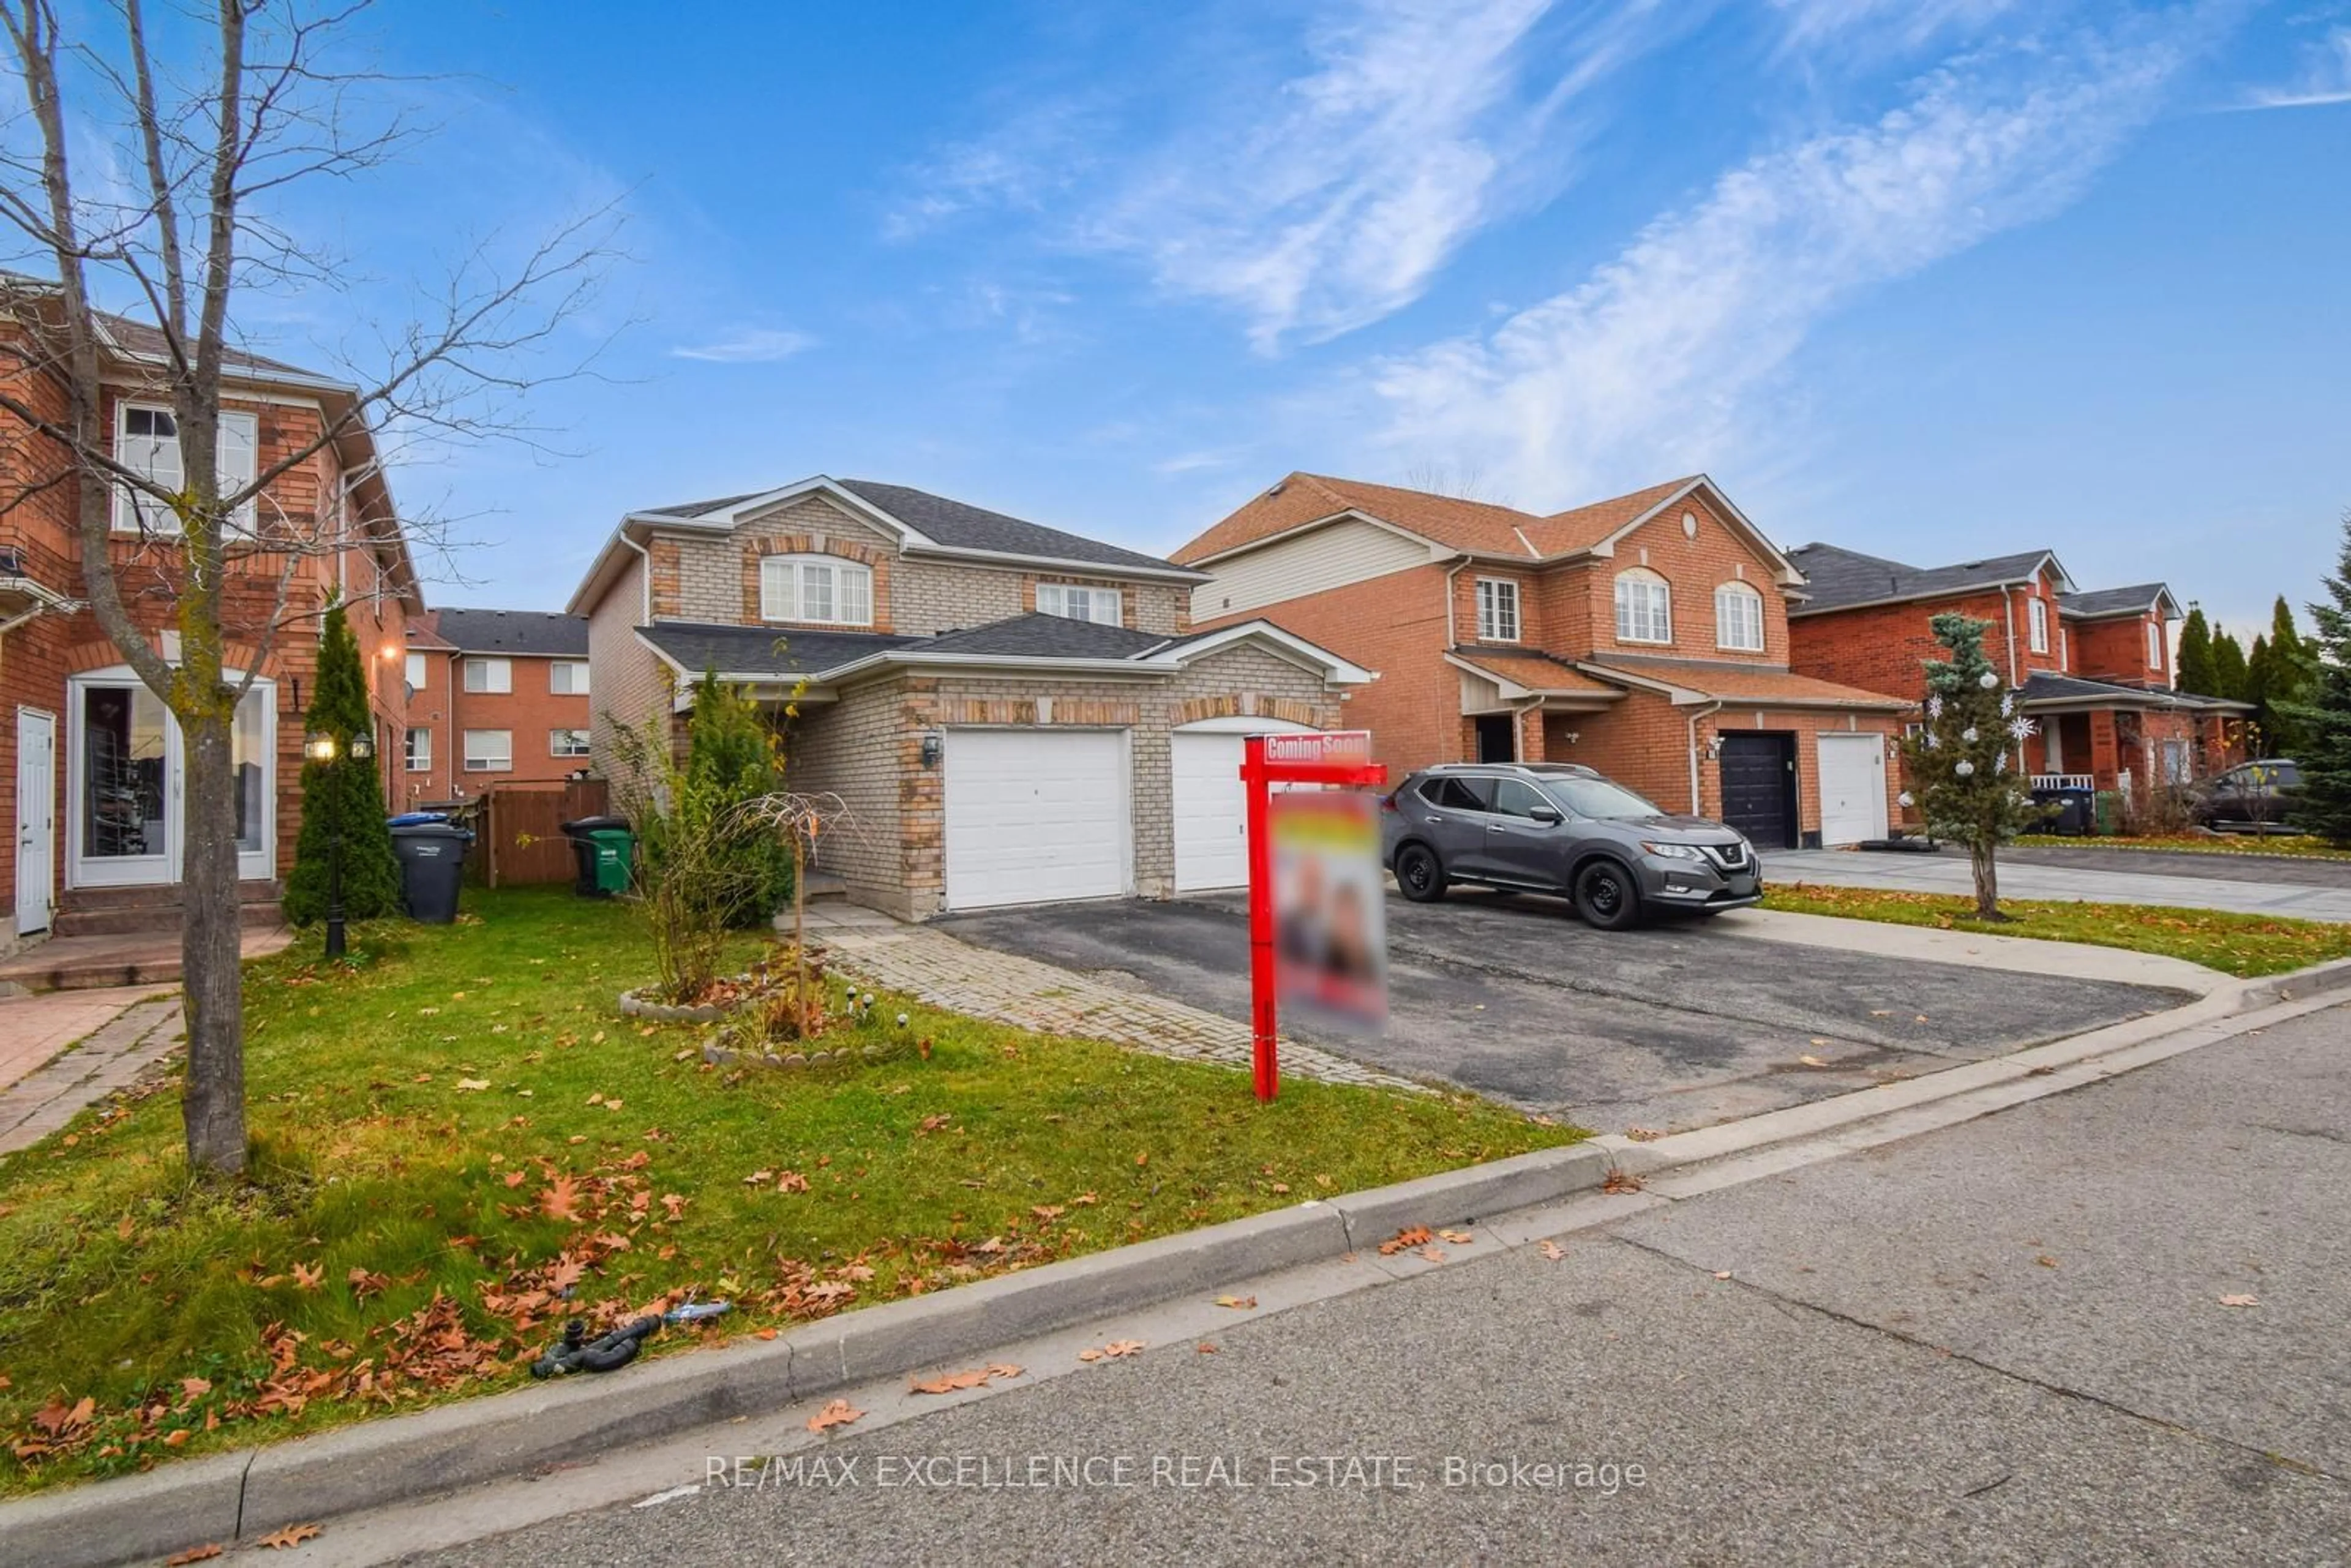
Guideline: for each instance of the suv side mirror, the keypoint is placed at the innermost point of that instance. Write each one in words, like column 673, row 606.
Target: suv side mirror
column 1547, row 816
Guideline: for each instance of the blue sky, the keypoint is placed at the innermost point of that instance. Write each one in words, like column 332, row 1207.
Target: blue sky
column 1930, row 280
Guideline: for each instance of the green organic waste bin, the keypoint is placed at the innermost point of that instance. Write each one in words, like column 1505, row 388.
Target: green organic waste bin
column 612, row 848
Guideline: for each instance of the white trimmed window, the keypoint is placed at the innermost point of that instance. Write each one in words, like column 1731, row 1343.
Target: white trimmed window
column 489, row 751
column 819, row 590
column 493, row 676
column 567, row 742
column 420, row 751
column 1739, row 618
column 1099, row 605
column 1644, row 608
column 2155, row 645
column 1497, row 609
column 2037, row 618
column 147, row 442
column 567, row 677
column 416, row 663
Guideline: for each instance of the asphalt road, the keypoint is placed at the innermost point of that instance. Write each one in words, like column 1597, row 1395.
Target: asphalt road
column 2001, row 1343
column 1668, row 1027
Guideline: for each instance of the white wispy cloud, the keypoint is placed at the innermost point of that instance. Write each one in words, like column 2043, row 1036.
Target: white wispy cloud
column 1653, row 365
column 2326, row 77
column 1814, row 23
column 748, row 346
column 1320, row 200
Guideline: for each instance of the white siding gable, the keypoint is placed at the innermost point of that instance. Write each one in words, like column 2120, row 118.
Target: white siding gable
column 1345, row 552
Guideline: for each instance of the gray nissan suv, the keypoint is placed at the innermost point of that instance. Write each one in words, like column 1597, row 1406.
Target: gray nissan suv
column 1552, row 827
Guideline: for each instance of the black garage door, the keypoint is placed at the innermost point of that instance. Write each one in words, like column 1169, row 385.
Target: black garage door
column 1759, row 788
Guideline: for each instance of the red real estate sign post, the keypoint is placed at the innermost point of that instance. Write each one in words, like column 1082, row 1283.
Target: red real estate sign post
column 1334, row 757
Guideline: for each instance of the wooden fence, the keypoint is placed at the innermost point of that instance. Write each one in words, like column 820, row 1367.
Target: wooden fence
column 518, row 829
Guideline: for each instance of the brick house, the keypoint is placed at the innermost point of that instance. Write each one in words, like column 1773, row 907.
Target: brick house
column 1013, row 714
column 494, row 697
column 1646, row 635
column 91, row 831
column 2092, row 669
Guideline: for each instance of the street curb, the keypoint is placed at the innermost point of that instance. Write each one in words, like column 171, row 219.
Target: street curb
column 249, row 1492
column 2295, row 983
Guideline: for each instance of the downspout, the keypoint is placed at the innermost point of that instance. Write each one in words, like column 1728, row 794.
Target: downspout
column 1697, row 792
column 644, row 579
column 2008, row 607
column 1452, row 641
column 1516, row 728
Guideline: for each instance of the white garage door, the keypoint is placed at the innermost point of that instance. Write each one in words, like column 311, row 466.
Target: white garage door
column 1211, row 807
column 1852, row 788
column 1035, row 815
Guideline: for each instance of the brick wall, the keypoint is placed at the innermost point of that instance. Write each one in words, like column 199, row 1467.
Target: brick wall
column 2117, row 650
column 629, row 684
column 867, row 749
column 1884, row 648
column 528, row 712
column 36, row 659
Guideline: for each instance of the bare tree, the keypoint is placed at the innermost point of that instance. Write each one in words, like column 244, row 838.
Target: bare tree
column 1468, row 482
column 207, row 134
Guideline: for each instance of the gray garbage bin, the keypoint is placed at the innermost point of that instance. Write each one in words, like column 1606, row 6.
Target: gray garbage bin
column 432, row 869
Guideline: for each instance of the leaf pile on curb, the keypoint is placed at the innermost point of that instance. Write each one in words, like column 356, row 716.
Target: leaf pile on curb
column 1113, row 1351
column 839, row 1412
column 955, row 1381
column 1410, row 1237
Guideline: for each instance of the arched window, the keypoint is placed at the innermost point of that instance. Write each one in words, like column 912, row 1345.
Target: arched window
column 1739, row 618
column 1644, row 608
column 820, row 590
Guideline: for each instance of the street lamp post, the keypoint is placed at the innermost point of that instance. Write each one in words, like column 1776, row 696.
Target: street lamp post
column 329, row 751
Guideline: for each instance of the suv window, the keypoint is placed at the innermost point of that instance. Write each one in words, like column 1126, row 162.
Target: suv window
column 1598, row 798
column 1452, row 794
column 1515, row 797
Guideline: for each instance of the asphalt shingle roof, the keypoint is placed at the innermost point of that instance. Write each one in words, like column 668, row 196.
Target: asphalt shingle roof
column 1046, row 636
column 764, row 651
column 1759, row 683
column 2044, row 687
column 1482, row 527
column 528, row 633
column 1837, row 579
column 2135, row 599
column 961, row 525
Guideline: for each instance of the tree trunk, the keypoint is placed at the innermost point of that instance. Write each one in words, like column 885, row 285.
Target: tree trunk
column 214, row 1106
column 1981, row 862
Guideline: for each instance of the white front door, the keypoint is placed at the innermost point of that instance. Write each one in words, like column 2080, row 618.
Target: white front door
column 37, row 818
column 1037, row 815
column 1210, row 806
column 1852, row 788
column 125, row 791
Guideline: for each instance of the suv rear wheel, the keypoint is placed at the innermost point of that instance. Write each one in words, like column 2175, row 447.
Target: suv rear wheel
column 1606, row 896
column 1418, row 873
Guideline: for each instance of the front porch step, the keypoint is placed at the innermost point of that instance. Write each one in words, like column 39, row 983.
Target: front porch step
column 91, row 962
column 126, row 911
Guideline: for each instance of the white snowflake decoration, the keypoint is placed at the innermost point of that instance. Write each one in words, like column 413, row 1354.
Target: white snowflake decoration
column 1929, row 741
column 1935, row 707
column 2022, row 729
column 2000, row 764
column 2007, row 704
column 1964, row 768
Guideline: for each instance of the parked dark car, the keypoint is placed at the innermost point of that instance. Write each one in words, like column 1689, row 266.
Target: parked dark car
column 2252, row 798
column 1561, row 829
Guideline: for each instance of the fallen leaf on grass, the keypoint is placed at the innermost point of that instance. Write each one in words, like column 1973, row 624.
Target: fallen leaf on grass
column 515, row 1179
column 562, row 1199
column 763, row 1333
column 791, row 1181
column 1551, row 1249
column 933, row 1123
column 1048, row 1212
column 292, row 1535
column 757, row 1177
column 204, row 1554
column 173, row 1440
column 840, row 1413
column 307, row 1275
column 1245, row 1303
column 2240, row 1301
column 364, row 1284
column 1411, row 1236
column 472, row 1086
column 125, row 1228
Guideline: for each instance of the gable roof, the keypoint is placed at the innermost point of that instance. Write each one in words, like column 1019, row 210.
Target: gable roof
column 1485, row 528
column 2100, row 603
column 1845, row 579
column 923, row 523
column 1035, row 641
column 2042, row 690
column 1688, row 681
column 1530, row 673
column 528, row 633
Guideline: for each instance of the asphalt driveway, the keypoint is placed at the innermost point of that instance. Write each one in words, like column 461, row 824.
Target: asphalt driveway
column 1663, row 1028
column 2275, row 885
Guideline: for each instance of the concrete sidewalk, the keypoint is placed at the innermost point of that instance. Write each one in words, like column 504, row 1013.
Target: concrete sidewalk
column 1948, row 874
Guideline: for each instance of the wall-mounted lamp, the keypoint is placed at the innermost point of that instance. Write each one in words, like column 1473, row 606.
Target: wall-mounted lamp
column 934, row 748
column 1572, row 736
column 1713, row 748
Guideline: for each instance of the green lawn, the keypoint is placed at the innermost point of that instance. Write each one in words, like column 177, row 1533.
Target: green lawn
column 2301, row 845
column 2239, row 945
column 461, row 1126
